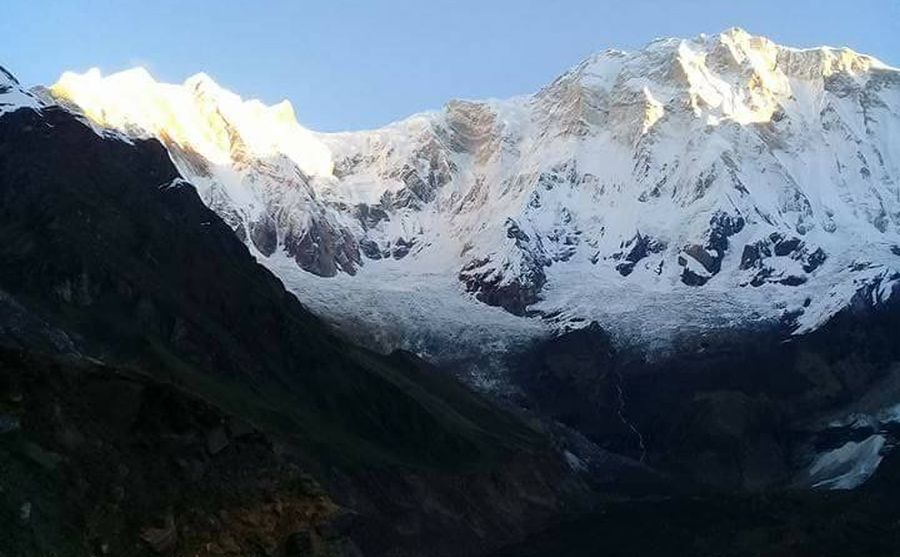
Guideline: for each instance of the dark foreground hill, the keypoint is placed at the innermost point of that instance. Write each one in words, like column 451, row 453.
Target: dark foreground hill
column 160, row 392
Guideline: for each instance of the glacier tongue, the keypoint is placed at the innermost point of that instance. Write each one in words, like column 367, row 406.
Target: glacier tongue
column 713, row 182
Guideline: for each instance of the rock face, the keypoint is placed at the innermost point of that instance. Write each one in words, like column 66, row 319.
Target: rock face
column 757, row 258
column 739, row 411
column 635, row 180
column 710, row 253
column 513, row 289
column 574, row 379
column 141, row 333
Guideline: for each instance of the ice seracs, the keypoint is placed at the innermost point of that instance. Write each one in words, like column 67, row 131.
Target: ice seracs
column 715, row 182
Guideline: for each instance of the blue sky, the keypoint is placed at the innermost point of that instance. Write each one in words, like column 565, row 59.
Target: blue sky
column 351, row 65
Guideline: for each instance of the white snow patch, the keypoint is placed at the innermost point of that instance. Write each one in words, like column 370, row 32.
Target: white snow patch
column 847, row 466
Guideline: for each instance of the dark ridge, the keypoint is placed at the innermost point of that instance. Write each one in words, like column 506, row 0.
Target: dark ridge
column 100, row 239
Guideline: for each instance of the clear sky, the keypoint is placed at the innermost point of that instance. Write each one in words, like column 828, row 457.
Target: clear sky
column 351, row 65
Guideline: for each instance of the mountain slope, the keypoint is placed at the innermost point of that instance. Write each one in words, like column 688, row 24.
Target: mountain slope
column 111, row 262
column 720, row 212
column 719, row 181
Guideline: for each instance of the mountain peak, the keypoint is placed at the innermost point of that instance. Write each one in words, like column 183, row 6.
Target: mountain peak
column 202, row 84
column 199, row 116
column 743, row 47
column 732, row 76
column 12, row 96
column 137, row 76
column 6, row 78
column 201, row 79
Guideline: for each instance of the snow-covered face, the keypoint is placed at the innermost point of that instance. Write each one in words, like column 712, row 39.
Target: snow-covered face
column 695, row 184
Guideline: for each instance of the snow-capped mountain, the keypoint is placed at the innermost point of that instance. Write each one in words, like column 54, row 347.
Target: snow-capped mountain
column 696, row 184
column 12, row 95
